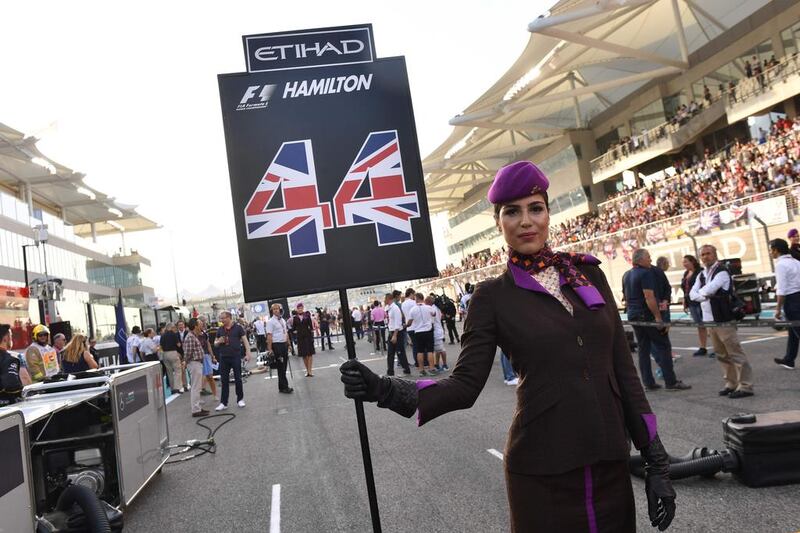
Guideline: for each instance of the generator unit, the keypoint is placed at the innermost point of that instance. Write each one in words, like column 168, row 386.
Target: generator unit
column 104, row 430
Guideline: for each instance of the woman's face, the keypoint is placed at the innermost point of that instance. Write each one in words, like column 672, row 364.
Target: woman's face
column 525, row 224
column 687, row 265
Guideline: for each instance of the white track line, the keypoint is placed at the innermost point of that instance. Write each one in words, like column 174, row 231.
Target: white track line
column 763, row 339
column 275, row 510
column 750, row 341
column 171, row 397
column 495, row 453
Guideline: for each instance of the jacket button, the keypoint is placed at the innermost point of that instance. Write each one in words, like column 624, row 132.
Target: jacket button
column 580, row 340
column 586, row 375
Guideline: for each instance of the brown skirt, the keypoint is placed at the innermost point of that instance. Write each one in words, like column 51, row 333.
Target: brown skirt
column 591, row 499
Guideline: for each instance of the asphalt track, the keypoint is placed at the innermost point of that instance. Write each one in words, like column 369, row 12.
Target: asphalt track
column 444, row 477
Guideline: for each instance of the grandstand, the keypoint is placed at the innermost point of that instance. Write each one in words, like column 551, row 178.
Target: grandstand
column 652, row 133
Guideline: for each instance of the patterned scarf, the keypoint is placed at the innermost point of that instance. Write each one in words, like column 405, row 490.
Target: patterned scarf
column 565, row 263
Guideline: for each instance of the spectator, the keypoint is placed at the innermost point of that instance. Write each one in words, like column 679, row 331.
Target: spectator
column 170, row 341
column 193, row 361
column 304, row 326
column 712, row 290
column 230, row 340
column 692, row 269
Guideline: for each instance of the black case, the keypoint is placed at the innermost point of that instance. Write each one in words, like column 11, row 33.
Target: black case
column 768, row 449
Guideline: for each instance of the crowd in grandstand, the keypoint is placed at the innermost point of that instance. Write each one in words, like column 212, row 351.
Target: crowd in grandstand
column 743, row 169
column 757, row 77
column 474, row 262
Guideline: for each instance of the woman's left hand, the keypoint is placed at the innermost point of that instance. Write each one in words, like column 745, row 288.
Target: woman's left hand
column 657, row 485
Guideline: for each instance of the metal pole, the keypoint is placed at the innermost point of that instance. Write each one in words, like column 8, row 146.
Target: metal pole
column 25, row 263
column 362, row 421
column 91, row 320
column 694, row 243
column 46, row 303
column 766, row 234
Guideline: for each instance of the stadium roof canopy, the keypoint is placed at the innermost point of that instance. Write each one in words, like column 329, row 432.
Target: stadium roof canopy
column 583, row 56
column 61, row 189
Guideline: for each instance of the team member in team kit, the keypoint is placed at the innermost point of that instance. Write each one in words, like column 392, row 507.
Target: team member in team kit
column 421, row 319
column 396, row 337
column 261, row 335
column 278, row 344
column 579, row 399
column 406, row 306
column 11, row 381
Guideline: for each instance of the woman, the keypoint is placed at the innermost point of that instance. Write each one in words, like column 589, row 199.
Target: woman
column 76, row 356
column 692, row 269
column 149, row 346
column 579, row 397
column 304, row 327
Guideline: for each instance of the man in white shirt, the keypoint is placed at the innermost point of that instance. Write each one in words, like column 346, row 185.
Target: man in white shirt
column 438, row 335
column 132, row 345
column 357, row 318
column 711, row 289
column 420, row 318
column 406, row 306
column 278, row 344
column 261, row 334
column 396, row 338
column 787, row 278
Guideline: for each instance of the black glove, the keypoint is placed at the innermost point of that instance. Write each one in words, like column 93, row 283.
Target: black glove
column 657, row 485
column 361, row 383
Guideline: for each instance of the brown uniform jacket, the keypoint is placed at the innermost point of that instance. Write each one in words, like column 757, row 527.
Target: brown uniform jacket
column 579, row 398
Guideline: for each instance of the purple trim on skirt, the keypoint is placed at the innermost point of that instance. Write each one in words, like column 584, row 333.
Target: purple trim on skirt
column 652, row 426
column 589, row 498
column 423, row 384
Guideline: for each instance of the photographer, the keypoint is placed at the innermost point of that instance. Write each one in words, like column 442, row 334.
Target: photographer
column 449, row 315
column 713, row 290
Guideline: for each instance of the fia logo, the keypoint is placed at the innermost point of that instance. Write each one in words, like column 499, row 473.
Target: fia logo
column 256, row 97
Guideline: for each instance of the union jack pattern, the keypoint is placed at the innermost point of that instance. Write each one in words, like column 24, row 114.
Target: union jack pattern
column 302, row 218
column 386, row 203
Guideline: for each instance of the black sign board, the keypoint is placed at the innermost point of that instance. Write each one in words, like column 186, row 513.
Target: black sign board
column 10, row 460
column 132, row 396
column 343, row 45
column 326, row 179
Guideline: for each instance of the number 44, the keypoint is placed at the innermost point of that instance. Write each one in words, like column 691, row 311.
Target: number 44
column 373, row 192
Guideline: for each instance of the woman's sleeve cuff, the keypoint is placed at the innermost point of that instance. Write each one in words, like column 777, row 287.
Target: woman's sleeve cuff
column 652, row 426
column 423, row 384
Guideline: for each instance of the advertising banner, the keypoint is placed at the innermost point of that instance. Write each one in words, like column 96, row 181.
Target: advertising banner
column 325, row 172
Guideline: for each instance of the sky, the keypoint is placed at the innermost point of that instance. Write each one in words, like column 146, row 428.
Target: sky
column 127, row 94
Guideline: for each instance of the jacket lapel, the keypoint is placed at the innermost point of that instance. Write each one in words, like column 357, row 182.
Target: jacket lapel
column 525, row 281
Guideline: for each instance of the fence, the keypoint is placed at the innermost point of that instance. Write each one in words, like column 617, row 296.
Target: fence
column 760, row 83
column 676, row 236
column 740, row 93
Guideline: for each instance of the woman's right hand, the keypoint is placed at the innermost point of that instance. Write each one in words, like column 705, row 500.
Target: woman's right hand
column 361, row 383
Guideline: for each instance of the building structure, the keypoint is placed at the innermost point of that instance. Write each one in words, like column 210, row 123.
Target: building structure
column 593, row 96
column 81, row 277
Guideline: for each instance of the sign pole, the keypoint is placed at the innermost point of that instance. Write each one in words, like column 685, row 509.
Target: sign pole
column 347, row 319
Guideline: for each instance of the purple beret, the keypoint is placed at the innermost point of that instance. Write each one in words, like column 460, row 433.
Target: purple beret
column 792, row 233
column 517, row 180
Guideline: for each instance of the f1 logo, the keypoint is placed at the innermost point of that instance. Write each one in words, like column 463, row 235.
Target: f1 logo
column 264, row 95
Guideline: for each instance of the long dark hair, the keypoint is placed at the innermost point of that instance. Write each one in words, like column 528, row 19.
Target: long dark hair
column 695, row 263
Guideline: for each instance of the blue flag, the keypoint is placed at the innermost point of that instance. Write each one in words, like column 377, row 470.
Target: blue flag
column 121, row 335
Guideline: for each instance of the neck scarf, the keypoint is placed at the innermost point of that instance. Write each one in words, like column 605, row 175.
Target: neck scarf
column 565, row 263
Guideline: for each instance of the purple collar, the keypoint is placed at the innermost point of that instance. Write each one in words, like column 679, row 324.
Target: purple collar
column 590, row 295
